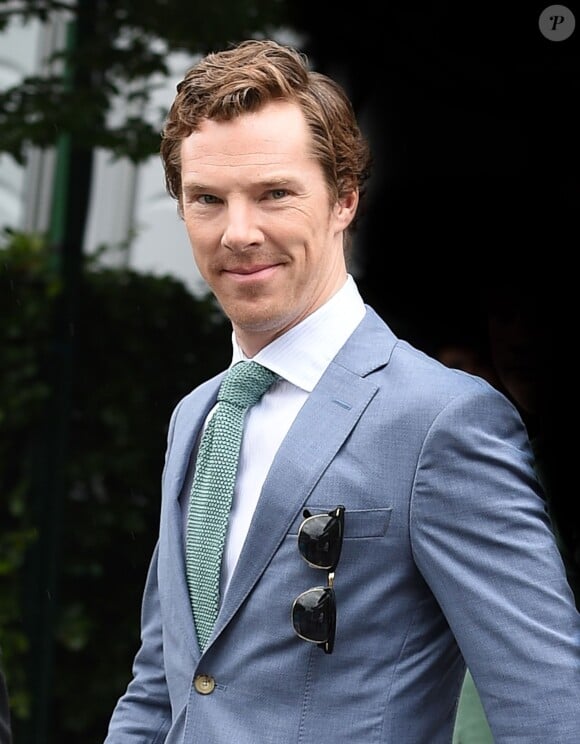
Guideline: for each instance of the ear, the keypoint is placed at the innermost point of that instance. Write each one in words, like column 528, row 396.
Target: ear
column 345, row 209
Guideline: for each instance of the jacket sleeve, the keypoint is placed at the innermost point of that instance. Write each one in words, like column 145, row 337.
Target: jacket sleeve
column 143, row 713
column 482, row 539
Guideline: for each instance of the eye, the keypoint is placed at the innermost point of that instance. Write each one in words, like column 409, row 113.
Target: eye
column 207, row 199
column 278, row 194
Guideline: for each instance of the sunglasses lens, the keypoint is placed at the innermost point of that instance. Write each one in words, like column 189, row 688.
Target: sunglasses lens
column 314, row 611
column 320, row 540
column 314, row 615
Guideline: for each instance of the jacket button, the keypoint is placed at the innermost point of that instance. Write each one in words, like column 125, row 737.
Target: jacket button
column 204, row 684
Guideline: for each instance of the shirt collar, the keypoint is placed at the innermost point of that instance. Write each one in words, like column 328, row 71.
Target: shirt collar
column 302, row 354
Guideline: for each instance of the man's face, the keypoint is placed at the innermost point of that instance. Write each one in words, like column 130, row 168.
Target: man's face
column 257, row 211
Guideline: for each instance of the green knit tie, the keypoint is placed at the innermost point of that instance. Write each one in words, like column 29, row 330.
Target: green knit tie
column 213, row 487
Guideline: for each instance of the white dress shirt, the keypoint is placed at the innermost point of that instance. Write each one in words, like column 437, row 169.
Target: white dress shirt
column 300, row 356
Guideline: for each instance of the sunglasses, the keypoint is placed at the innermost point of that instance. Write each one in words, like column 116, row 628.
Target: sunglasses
column 314, row 611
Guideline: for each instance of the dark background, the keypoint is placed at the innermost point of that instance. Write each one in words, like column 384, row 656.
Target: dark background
column 472, row 116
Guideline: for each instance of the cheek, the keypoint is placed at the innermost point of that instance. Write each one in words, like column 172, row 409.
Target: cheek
column 199, row 239
column 202, row 259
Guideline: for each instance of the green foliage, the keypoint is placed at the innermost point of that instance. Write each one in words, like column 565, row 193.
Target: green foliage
column 116, row 56
column 142, row 342
column 27, row 285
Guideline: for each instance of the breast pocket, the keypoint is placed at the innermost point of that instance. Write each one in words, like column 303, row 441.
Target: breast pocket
column 358, row 523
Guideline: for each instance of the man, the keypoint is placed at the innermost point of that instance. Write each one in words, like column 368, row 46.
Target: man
column 409, row 484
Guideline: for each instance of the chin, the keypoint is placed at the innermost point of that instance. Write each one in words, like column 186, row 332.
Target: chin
column 269, row 322
column 258, row 324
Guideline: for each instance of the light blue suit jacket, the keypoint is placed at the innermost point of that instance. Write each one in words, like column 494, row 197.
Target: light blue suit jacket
column 448, row 558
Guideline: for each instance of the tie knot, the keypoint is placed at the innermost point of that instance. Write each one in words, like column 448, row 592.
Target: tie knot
column 245, row 383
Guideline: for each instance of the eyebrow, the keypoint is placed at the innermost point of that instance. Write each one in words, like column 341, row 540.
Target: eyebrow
column 269, row 183
column 194, row 186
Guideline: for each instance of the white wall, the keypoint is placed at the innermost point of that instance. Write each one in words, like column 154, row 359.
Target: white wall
column 18, row 58
column 129, row 204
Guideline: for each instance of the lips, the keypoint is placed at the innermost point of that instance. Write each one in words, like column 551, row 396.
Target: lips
column 249, row 269
column 251, row 274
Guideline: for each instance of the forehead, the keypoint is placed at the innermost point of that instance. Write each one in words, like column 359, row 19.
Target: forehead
column 277, row 133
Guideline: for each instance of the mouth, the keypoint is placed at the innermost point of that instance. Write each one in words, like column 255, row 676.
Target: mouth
column 251, row 273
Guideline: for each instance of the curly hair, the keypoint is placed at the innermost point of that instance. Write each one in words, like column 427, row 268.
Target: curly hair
column 247, row 76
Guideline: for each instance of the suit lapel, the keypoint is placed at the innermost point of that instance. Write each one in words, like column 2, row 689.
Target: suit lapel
column 188, row 422
column 173, row 585
column 331, row 411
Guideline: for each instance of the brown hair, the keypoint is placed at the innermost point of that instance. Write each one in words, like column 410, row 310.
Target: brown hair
column 245, row 77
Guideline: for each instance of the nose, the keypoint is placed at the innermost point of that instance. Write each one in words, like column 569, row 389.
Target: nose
column 241, row 230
